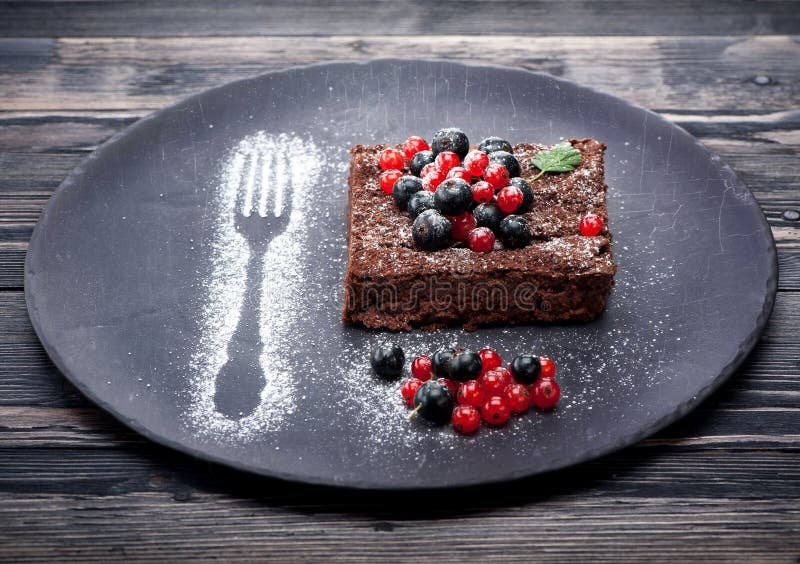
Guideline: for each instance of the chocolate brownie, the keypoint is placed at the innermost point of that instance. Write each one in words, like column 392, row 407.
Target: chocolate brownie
column 560, row 276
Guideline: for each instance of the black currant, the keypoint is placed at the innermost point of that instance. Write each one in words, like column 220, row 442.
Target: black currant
column 431, row 231
column 526, row 368
column 387, row 360
column 434, row 402
column 450, row 139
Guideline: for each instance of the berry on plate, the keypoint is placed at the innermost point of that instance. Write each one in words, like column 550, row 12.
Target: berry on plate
column 470, row 393
column 475, row 162
column 495, row 410
column 462, row 226
column 432, row 180
column 488, row 215
column 508, row 160
column 422, row 368
column 388, row 178
column 447, row 160
column 419, row 202
column 526, row 368
column 450, row 139
column 465, row 365
column 414, row 145
column 453, row 196
column 391, row 159
column 420, row 160
column 387, row 360
column 518, row 398
column 466, row 419
column 495, row 381
column 460, row 172
column 480, row 239
column 427, row 169
column 409, row 389
column 548, row 367
column 591, row 225
column 450, row 385
column 496, row 175
column 545, row 393
column 491, row 359
column 403, row 189
column 482, row 192
column 509, row 199
column 434, row 402
column 527, row 192
column 431, row 231
column 492, row 144
column 514, row 231
column 440, row 362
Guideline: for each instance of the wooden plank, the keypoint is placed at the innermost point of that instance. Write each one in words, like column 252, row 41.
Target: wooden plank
column 420, row 17
column 626, row 511
column 665, row 73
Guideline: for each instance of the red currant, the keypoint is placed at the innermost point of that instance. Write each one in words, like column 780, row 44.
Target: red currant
column 518, row 398
column 495, row 381
column 495, row 410
column 462, row 225
column 447, row 160
column 410, row 388
column 475, row 162
column 421, row 368
column 470, row 393
column 391, row 159
column 427, row 169
column 496, row 175
column 509, row 199
column 451, row 385
column 388, row 178
column 591, row 225
column 545, row 393
column 548, row 367
column 466, row 419
column 460, row 172
column 481, row 239
column 432, row 180
column 414, row 145
column 482, row 192
column 490, row 359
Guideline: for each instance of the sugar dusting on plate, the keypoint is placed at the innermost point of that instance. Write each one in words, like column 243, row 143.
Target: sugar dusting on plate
column 295, row 164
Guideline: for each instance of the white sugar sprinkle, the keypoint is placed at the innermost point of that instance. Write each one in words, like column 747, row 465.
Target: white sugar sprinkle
column 226, row 284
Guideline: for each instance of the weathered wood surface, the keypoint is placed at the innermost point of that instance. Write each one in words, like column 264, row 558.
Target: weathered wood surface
column 148, row 73
column 722, row 484
column 78, row 18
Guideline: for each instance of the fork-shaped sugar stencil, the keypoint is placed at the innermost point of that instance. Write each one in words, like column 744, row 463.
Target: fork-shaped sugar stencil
column 254, row 294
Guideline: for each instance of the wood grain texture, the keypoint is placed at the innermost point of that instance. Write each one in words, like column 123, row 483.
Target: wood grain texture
column 148, row 73
column 80, row 18
column 719, row 485
column 612, row 529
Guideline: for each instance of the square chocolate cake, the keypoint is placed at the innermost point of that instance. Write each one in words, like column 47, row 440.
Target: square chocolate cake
column 559, row 275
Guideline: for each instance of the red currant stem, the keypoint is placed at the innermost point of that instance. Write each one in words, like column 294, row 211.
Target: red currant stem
column 538, row 176
column 413, row 413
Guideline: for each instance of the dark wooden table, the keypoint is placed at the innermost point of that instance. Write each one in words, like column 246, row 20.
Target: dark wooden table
column 724, row 483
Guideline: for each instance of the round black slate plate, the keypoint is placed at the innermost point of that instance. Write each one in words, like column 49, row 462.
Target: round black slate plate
column 136, row 277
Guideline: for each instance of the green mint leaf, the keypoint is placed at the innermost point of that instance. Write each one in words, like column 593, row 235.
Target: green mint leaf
column 561, row 158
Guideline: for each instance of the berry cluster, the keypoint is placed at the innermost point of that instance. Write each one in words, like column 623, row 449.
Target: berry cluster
column 456, row 195
column 467, row 387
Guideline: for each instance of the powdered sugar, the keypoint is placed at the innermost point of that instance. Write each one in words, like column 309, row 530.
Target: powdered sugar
column 287, row 166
